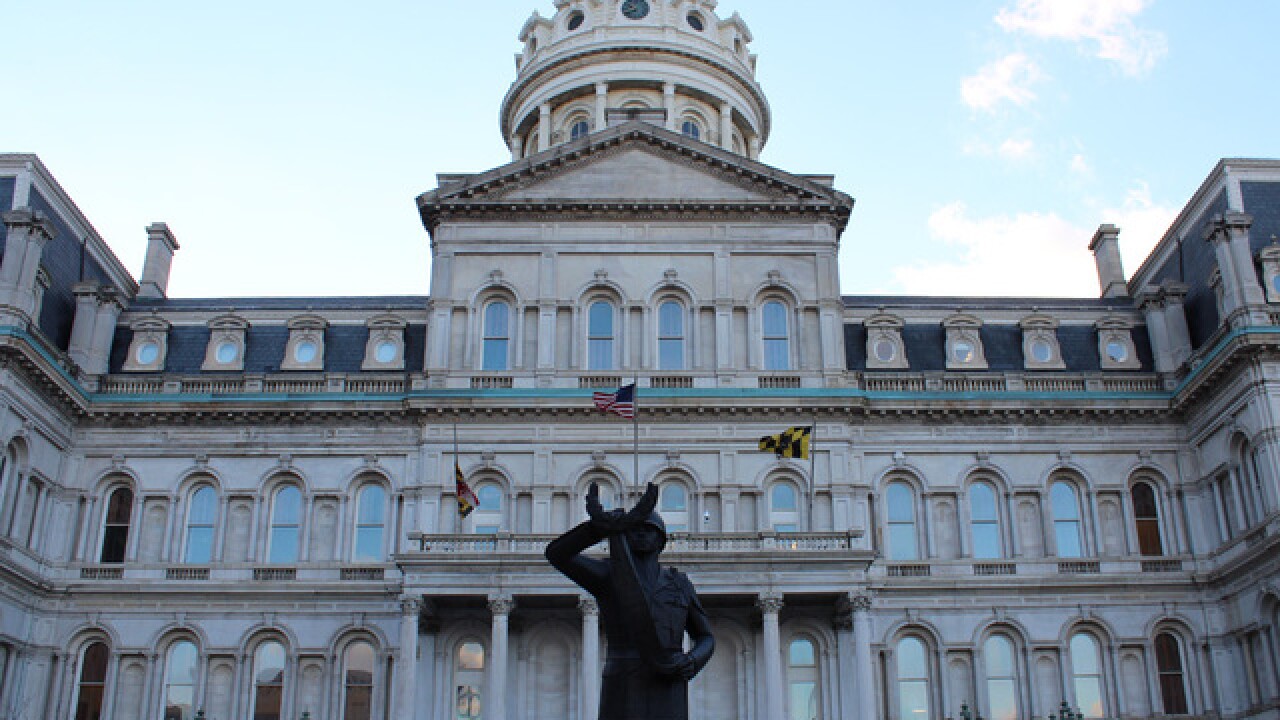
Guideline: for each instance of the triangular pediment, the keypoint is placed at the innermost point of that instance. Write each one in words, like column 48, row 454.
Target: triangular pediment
column 635, row 163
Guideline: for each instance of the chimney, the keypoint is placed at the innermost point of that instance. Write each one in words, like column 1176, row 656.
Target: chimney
column 155, row 270
column 1106, row 255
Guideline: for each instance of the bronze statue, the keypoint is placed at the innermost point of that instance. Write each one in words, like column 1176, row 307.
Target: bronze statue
column 646, row 610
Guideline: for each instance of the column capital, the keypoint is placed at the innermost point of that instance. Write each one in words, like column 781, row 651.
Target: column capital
column 587, row 605
column 410, row 606
column 1237, row 221
column 855, row 602
column 33, row 221
column 602, row 88
column 501, row 604
column 769, row 602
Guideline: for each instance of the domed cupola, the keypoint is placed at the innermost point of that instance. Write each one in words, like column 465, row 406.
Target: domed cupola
column 598, row 63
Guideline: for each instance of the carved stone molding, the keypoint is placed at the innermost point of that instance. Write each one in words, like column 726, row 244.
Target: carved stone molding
column 501, row 604
column 769, row 602
column 587, row 605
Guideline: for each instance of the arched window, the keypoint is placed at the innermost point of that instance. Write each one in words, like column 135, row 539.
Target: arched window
column 1146, row 516
column 1086, row 675
column 1252, row 494
column 784, row 509
column 286, row 525
column 673, row 503
column 1002, row 679
column 690, row 129
column 901, row 509
column 115, row 527
column 802, row 681
column 468, row 682
column 497, row 336
column 777, row 339
column 268, row 681
column 180, row 681
column 984, row 520
column 93, row 682
column 600, row 335
column 371, row 521
column 7, row 464
column 357, row 686
column 202, row 512
column 608, row 495
column 913, row 680
column 579, row 129
column 1173, row 687
column 671, row 336
column 1066, row 520
column 487, row 518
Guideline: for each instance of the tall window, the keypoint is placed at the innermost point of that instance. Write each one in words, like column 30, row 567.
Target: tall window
column 984, row 519
column 1002, row 679
column 357, row 691
column 1086, row 674
column 468, row 682
column 115, row 528
column 180, row 681
column 93, row 682
column 7, row 463
column 202, row 511
column 913, row 680
column 579, row 129
column 286, row 525
column 777, row 341
column 600, row 335
column 1066, row 520
column 1146, row 516
column 371, row 521
column 268, row 681
column 1173, row 688
column 690, row 129
column 497, row 336
column 784, row 511
column 802, row 681
column 901, row 506
column 671, row 336
column 488, row 514
column 673, row 503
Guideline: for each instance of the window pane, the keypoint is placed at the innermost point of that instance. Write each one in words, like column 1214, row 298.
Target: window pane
column 1068, row 536
column 986, row 540
column 913, row 700
column 468, row 703
column 495, row 354
column 600, row 355
column 358, row 666
column 902, row 542
column 1173, row 690
column 982, row 502
column 600, row 320
column 783, row 497
column 911, row 663
column 95, row 663
column 1063, row 500
column 1084, row 655
column 999, row 657
column 120, row 506
column 114, row 541
column 673, row 498
column 901, row 503
column 1144, row 502
column 495, row 320
column 204, row 505
column 801, row 654
column 775, row 319
column 268, row 662
column 199, row 545
column 368, row 544
column 1089, row 696
column 490, row 498
column 804, row 701
column 182, row 662
column 670, row 354
column 284, row 545
column 670, row 319
column 372, row 505
column 1002, row 697
column 471, row 656
column 286, row 510
column 776, row 355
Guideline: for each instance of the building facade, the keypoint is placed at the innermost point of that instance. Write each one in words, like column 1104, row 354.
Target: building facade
column 246, row 507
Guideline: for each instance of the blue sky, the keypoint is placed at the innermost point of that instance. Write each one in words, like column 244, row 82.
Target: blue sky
column 984, row 141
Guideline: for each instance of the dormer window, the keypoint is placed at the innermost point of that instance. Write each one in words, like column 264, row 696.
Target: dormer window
column 226, row 344
column 579, row 129
column 696, row 22
column 1115, row 344
column 690, row 129
column 1040, row 348
column 149, row 347
column 885, row 350
column 964, row 343
column 385, row 347
column 305, row 349
column 575, row 20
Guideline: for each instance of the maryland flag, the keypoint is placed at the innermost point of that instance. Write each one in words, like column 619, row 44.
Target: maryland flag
column 466, row 499
column 792, row 442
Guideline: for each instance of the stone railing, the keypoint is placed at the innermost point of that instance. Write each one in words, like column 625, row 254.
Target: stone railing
column 254, row 384
column 228, row 573
column 1148, row 569
column 534, row 544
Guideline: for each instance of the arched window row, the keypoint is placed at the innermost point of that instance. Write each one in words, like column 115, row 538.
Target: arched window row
column 185, row 677
column 1062, row 521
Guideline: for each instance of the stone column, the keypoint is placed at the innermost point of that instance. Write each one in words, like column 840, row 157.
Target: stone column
column 1174, row 295
column 104, row 329
column 669, row 104
column 860, row 606
column 496, row 687
column 517, row 147
column 544, row 126
column 1237, row 225
column 1153, row 312
column 846, row 666
column 406, row 689
column 86, row 314
column 726, row 126
column 602, row 104
column 770, row 604
column 28, row 231
column 590, row 657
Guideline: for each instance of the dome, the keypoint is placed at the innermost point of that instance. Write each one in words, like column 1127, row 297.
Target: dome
column 597, row 63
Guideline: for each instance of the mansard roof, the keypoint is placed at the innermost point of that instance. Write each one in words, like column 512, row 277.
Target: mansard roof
column 634, row 170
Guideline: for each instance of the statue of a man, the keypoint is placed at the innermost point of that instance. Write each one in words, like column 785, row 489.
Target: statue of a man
column 646, row 610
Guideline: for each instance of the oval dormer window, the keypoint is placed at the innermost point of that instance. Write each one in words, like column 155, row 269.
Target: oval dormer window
column 226, row 352
column 385, row 352
column 1117, row 351
column 1040, row 351
column 575, row 21
column 148, row 352
column 963, row 351
column 885, row 350
column 305, row 352
column 695, row 22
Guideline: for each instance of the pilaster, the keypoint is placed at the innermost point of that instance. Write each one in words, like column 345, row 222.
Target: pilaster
column 28, row 232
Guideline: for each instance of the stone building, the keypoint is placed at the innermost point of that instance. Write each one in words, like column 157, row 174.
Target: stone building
column 246, row 507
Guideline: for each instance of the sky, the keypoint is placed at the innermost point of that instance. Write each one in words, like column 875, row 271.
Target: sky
column 984, row 141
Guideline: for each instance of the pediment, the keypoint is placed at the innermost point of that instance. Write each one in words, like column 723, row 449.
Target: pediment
column 635, row 163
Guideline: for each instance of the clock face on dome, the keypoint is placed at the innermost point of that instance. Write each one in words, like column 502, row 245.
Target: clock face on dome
column 635, row 9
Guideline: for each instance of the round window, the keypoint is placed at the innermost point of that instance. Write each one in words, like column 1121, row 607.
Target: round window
column 226, row 352
column 695, row 22
column 305, row 351
column 575, row 21
column 148, row 352
column 885, row 350
column 1041, row 352
column 1275, row 283
column 635, row 9
column 385, row 352
column 1117, row 351
column 962, row 351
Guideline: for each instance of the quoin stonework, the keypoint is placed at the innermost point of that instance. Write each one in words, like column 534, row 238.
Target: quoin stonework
column 247, row 507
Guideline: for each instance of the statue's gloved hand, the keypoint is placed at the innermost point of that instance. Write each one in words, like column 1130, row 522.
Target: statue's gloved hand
column 680, row 665
column 604, row 522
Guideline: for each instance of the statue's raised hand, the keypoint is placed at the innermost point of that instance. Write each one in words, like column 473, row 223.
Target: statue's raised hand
column 644, row 508
column 614, row 522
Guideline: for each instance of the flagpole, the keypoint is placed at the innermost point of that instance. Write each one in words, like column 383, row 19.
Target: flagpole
column 635, row 431
column 813, row 467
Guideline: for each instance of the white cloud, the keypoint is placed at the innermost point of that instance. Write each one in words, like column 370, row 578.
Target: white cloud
column 1080, row 165
column 1016, row 149
column 1105, row 24
column 1008, row 79
column 1031, row 254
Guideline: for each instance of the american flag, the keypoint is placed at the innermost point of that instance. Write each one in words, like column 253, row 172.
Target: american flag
column 621, row 402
